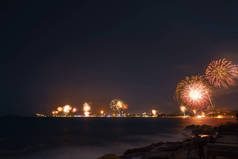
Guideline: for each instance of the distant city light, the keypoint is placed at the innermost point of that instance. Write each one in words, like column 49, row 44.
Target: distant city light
column 102, row 112
column 183, row 109
column 86, row 114
column 220, row 116
column 60, row 109
column 86, row 107
column 202, row 115
column 67, row 108
column 154, row 112
column 194, row 111
column 199, row 116
column 54, row 112
column 74, row 110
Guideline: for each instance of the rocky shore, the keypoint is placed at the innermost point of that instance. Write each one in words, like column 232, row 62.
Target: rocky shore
column 206, row 142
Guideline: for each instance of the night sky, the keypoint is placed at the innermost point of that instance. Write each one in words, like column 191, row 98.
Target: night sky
column 61, row 52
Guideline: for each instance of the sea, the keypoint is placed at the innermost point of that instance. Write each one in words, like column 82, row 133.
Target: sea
column 88, row 138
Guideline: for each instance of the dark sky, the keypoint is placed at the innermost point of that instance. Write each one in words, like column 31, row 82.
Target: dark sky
column 63, row 52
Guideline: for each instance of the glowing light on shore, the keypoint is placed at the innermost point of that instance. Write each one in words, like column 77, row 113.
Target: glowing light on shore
column 118, row 106
column 74, row 110
column 199, row 116
column 220, row 116
column 67, row 108
column 60, row 109
column 144, row 114
column 202, row 115
column 194, row 111
column 54, row 112
column 183, row 109
column 203, row 135
column 86, row 114
column 222, row 73
column 102, row 112
column 154, row 112
column 86, row 107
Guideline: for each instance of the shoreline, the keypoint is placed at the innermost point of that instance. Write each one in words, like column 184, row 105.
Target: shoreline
column 228, row 117
column 206, row 142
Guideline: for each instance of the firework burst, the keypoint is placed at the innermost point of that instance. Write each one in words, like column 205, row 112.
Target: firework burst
column 67, row 109
column 118, row 106
column 221, row 73
column 193, row 92
column 86, row 109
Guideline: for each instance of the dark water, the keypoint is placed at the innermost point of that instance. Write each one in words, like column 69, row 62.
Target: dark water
column 86, row 138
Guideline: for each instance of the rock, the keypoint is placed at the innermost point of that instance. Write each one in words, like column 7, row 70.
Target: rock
column 169, row 146
column 206, row 142
column 157, row 155
column 109, row 156
column 201, row 129
column 138, row 151
column 190, row 127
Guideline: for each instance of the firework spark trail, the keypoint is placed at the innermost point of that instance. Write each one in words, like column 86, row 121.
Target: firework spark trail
column 210, row 100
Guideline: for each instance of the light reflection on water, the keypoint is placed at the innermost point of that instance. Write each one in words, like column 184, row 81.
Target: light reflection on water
column 92, row 137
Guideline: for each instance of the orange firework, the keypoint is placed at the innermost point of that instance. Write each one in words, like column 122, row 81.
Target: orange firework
column 60, row 109
column 118, row 106
column 86, row 107
column 221, row 73
column 193, row 92
column 67, row 109
column 154, row 112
